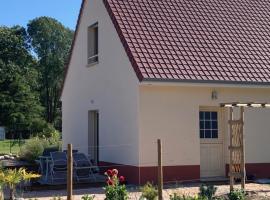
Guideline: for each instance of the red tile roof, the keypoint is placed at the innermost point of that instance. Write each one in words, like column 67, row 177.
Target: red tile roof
column 201, row 40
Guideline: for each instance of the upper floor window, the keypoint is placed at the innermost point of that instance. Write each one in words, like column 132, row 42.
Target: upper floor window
column 92, row 44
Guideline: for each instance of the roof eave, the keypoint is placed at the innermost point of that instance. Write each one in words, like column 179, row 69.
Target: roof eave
column 204, row 83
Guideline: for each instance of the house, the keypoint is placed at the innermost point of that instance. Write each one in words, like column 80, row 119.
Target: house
column 142, row 70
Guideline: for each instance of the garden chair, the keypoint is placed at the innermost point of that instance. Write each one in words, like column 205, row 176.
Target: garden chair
column 83, row 168
column 58, row 167
column 43, row 162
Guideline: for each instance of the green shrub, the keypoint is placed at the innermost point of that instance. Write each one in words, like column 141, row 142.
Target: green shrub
column 149, row 192
column 1, row 192
column 207, row 191
column 33, row 148
column 237, row 195
column 176, row 196
column 88, row 197
column 54, row 138
column 115, row 189
column 41, row 128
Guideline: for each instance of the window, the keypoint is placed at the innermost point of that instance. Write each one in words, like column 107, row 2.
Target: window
column 208, row 124
column 93, row 44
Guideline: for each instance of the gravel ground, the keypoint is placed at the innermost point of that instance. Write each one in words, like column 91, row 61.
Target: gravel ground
column 255, row 191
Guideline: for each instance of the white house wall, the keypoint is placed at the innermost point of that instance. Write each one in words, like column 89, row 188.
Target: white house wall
column 171, row 113
column 111, row 87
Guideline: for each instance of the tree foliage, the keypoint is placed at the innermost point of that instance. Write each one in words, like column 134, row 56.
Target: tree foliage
column 18, row 80
column 31, row 73
column 51, row 42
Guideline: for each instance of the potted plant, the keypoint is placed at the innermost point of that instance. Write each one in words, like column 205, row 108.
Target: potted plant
column 12, row 177
column 1, row 191
column 1, row 184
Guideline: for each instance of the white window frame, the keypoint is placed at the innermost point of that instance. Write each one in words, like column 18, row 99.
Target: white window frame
column 94, row 58
column 210, row 121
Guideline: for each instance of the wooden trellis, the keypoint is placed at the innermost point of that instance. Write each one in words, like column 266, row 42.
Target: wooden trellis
column 237, row 149
column 237, row 141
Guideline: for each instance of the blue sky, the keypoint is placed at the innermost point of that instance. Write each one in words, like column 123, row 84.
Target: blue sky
column 19, row 12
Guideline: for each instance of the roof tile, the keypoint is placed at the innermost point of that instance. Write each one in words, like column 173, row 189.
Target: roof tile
column 203, row 40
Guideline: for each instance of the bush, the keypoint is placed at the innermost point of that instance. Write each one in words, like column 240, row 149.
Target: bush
column 12, row 177
column 115, row 189
column 41, row 128
column 33, row 148
column 207, row 191
column 237, row 195
column 149, row 192
column 88, row 197
column 176, row 196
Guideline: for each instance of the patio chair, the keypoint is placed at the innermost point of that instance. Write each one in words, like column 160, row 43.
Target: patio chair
column 43, row 162
column 83, row 168
column 58, row 167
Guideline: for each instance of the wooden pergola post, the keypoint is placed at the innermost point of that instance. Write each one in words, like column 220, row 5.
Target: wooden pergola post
column 243, row 163
column 231, row 152
column 160, row 170
column 237, row 148
column 70, row 173
column 237, row 141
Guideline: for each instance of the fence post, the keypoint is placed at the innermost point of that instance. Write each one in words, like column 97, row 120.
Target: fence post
column 160, row 170
column 70, row 173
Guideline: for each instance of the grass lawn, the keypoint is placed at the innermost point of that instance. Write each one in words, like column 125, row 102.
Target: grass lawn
column 13, row 145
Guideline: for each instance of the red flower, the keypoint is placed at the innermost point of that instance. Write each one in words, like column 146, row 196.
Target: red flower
column 114, row 172
column 109, row 182
column 109, row 173
column 122, row 179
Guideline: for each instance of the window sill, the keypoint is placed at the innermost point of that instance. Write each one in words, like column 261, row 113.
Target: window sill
column 92, row 64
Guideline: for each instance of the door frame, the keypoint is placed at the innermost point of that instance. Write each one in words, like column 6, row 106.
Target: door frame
column 93, row 129
column 221, row 129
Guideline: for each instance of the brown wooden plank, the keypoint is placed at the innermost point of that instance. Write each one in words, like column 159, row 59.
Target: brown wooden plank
column 231, row 161
column 243, row 181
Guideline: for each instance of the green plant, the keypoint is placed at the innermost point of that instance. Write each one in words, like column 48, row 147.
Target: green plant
column 12, row 177
column 176, row 196
column 1, row 176
column 88, row 197
column 236, row 195
column 149, row 192
column 33, row 148
column 1, row 192
column 115, row 189
column 54, row 138
column 207, row 191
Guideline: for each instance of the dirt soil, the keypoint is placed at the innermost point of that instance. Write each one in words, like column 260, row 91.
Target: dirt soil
column 255, row 192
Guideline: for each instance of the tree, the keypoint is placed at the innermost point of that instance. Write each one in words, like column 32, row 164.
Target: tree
column 18, row 80
column 51, row 42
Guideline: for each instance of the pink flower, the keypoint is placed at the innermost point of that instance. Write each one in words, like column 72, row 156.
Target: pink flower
column 109, row 173
column 114, row 172
column 122, row 179
column 109, row 182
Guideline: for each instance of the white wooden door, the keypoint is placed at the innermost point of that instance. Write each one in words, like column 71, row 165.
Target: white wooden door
column 211, row 142
column 93, row 136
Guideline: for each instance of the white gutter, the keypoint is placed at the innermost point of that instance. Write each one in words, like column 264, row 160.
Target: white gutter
column 206, row 84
